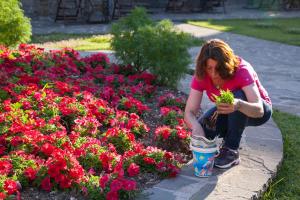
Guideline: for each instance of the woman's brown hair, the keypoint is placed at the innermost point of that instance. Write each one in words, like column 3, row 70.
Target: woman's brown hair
column 221, row 52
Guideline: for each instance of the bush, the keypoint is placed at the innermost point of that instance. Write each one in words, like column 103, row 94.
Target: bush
column 125, row 41
column 15, row 28
column 156, row 47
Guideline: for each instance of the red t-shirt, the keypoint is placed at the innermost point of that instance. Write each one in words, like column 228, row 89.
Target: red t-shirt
column 245, row 75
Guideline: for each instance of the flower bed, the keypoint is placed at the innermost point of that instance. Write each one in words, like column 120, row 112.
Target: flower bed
column 82, row 124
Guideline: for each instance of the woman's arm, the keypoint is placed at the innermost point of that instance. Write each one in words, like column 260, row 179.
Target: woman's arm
column 191, row 109
column 253, row 107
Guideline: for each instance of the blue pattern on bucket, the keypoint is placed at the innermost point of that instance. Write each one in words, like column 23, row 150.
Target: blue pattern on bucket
column 203, row 161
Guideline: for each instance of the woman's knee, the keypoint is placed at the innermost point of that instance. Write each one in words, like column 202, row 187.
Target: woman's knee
column 260, row 121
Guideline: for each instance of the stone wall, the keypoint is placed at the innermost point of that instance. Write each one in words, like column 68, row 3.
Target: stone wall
column 39, row 8
column 47, row 8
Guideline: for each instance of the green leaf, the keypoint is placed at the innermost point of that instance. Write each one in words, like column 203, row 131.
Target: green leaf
column 225, row 97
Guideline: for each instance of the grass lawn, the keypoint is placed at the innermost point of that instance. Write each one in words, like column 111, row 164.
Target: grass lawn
column 83, row 42
column 80, row 42
column 287, row 183
column 280, row 30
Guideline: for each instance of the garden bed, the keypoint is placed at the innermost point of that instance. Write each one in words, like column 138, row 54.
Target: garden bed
column 85, row 128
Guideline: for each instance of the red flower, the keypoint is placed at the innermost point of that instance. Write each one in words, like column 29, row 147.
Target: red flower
column 174, row 170
column 5, row 167
column 103, row 180
column 26, row 105
column 133, row 169
column 164, row 131
column 134, row 116
column 119, row 169
column 181, row 132
column 169, row 156
column 76, row 172
column 129, row 185
column 47, row 149
column 65, row 182
column 2, row 196
column 10, row 186
column 161, row 166
column 112, row 195
column 105, row 160
column 30, row 173
column 148, row 160
column 46, row 184
column 116, row 185
column 2, row 149
column 128, row 104
column 165, row 110
column 17, row 140
column 37, row 96
column 131, row 137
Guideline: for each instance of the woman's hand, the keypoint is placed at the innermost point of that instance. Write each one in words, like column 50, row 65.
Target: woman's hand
column 197, row 130
column 226, row 108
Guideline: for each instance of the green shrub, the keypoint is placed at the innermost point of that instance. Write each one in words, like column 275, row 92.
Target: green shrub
column 125, row 41
column 156, row 47
column 15, row 28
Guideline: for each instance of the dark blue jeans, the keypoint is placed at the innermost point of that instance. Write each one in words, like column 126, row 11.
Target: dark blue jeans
column 231, row 126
